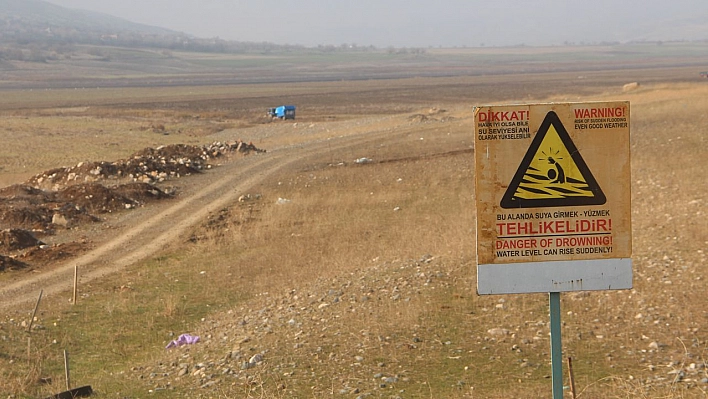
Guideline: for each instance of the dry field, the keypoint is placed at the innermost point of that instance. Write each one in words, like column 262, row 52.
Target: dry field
column 337, row 278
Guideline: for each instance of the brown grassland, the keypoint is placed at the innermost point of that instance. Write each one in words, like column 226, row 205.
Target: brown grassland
column 351, row 279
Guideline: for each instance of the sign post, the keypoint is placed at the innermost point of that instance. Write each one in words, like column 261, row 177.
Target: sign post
column 556, row 346
column 553, row 202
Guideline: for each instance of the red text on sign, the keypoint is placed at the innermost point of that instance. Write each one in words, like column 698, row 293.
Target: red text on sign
column 554, row 227
column 616, row 112
column 492, row 116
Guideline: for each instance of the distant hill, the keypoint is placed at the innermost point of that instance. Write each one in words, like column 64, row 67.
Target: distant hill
column 33, row 30
column 40, row 16
column 38, row 31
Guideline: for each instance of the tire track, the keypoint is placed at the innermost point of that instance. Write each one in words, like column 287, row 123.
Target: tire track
column 136, row 243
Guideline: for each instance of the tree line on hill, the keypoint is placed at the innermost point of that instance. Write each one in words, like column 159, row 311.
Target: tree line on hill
column 23, row 39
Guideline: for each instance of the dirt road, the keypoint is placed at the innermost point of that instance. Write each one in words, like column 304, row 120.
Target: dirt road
column 143, row 233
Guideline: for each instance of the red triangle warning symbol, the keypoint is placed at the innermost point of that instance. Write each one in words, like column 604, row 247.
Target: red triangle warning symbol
column 552, row 173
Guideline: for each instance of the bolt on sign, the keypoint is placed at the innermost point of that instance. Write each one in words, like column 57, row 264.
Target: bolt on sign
column 553, row 197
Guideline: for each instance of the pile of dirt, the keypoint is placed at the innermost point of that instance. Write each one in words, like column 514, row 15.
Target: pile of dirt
column 151, row 165
column 96, row 198
column 24, row 216
column 25, row 207
column 8, row 263
column 66, row 198
column 52, row 253
column 20, row 190
column 141, row 193
column 26, row 212
column 14, row 239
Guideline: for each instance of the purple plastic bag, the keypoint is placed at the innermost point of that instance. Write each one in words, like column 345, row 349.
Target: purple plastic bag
column 183, row 339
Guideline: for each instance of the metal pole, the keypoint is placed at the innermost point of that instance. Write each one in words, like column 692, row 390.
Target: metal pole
column 556, row 347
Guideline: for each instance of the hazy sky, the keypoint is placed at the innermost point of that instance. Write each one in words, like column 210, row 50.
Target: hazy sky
column 415, row 23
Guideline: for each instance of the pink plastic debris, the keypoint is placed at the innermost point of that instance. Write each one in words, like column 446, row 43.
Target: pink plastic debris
column 183, row 339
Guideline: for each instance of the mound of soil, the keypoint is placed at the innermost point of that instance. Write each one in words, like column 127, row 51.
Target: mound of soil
column 141, row 193
column 95, row 198
column 14, row 239
column 39, row 211
column 64, row 198
column 21, row 191
column 8, row 263
column 150, row 165
column 24, row 217
column 69, row 215
column 54, row 253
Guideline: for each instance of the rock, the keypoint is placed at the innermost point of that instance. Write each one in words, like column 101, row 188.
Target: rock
column 630, row 86
column 208, row 384
column 498, row 332
column 59, row 220
column 655, row 345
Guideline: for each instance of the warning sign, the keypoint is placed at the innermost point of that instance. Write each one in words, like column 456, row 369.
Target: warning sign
column 553, row 197
column 553, row 173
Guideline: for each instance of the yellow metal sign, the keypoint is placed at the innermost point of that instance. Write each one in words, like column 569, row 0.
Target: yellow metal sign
column 553, row 197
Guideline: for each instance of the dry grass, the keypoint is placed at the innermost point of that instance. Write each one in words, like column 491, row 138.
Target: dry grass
column 42, row 142
column 372, row 224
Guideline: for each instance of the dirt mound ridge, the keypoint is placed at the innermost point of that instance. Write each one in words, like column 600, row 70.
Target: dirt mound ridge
column 13, row 239
column 141, row 192
column 54, row 253
column 95, row 198
column 8, row 263
column 29, row 208
column 21, row 191
column 68, row 197
column 150, row 165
